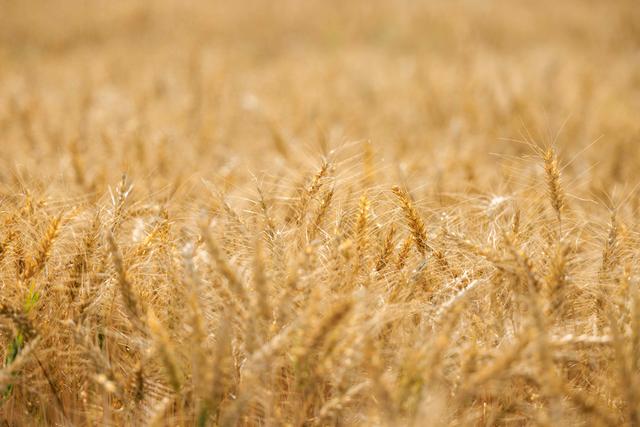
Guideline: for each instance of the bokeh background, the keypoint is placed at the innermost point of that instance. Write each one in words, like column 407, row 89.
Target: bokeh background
column 232, row 77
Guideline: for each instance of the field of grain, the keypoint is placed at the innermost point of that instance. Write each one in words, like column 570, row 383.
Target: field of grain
column 332, row 213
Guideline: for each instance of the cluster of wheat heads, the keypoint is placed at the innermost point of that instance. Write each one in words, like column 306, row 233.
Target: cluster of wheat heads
column 222, row 224
column 341, row 303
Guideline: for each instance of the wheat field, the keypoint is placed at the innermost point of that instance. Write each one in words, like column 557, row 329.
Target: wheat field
column 336, row 213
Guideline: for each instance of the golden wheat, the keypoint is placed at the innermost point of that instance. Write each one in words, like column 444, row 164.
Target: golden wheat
column 371, row 213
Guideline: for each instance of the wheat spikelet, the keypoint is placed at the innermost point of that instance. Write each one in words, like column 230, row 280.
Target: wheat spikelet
column 44, row 249
column 131, row 303
column 387, row 249
column 235, row 284
column 610, row 250
column 556, row 279
column 416, row 225
column 403, row 253
column 309, row 192
column 119, row 201
column 271, row 227
column 321, row 213
column 362, row 238
column 554, row 186
column 261, row 285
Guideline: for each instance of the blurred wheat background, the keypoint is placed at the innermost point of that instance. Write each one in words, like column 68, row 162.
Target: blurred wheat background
column 297, row 213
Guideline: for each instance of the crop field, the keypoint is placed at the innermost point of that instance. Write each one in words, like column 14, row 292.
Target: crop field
column 319, row 213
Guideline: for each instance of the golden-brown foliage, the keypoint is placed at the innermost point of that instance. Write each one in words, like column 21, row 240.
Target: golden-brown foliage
column 319, row 213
